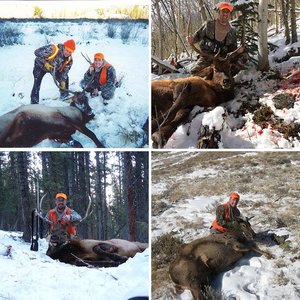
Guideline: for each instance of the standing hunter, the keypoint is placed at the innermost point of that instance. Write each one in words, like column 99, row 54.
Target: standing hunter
column 215, row 36
column 49, row 57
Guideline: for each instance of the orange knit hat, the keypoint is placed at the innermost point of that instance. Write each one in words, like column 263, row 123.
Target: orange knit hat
column 234, row 196
column 70, row 45
column 61, row 195
column 99, row 56
column 225, row 5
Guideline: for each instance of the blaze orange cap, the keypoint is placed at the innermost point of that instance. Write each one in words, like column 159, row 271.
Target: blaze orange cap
column 234, row 196
column 99, row 56
column 225, row 5
column 61, row 195
column 70, row 45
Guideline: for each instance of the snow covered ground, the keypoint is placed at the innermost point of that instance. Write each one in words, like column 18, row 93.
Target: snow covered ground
column 117, row 125
column 187, row 187
column 33, row 275
column 237, row 129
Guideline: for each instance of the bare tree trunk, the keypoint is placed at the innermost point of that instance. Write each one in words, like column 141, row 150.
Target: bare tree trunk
column 293, row 22
column 276, row 17
column 22, row 165
column 130, row 196
column 99, row 196
column 263, row 61
column 285, row 11
column 160, row 34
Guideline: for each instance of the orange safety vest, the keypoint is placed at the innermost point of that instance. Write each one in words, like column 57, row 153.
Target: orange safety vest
column 71, row 229
column 53, row 55
column 227, row 218
column 103, row 74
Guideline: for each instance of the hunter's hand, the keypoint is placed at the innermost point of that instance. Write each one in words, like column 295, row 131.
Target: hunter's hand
column 91, row 69
column 95, row 92
column 48, row 67
column 189, row 39
column 66, row 218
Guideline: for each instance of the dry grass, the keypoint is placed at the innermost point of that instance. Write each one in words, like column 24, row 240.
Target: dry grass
column 275, row 175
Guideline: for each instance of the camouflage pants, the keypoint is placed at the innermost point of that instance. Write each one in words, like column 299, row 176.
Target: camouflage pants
column 38, row 74
column 107, row 91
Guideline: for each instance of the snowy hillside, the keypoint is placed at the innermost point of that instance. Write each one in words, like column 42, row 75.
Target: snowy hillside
column 187, row 187
column 264, row 114
column 118, row 124
column 33, row 275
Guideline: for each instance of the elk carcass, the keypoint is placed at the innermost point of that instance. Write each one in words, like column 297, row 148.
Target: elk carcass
column 80, row 252
column 28, row 125
column 173, row 99
column 199, row 261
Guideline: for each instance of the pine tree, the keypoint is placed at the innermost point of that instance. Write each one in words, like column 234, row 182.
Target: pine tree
column 247, row 17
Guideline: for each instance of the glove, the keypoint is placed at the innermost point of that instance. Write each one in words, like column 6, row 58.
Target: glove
column 48, row 67
column 62, row 85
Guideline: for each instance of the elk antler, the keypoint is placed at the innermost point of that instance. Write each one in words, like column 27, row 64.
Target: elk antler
column 236, row 52
column 87, row 213
column 57, row 84
column 39, row 213
column 86, row 57
column 67, row 90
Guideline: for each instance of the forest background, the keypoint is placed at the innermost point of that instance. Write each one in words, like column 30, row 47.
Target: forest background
column 170, row 20
column 117, row 182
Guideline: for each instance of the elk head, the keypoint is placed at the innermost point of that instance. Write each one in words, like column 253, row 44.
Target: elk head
column 59, row 236
column 79, row 99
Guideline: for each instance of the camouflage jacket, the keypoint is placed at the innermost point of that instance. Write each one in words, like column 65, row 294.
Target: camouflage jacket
column 205, row 35
column 234, row 213
column 60, row 62
column 74, row 216
column 110, row 80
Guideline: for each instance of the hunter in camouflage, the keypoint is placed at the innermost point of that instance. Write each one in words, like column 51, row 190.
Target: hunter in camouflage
column 227, row 214
column 50, row 57
column 100, row 78
column 215, row 36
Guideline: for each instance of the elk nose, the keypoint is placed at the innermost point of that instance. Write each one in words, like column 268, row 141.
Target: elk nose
column 226, row 83
column 54, row 238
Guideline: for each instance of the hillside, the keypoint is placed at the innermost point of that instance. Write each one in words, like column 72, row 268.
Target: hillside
column 187, row 187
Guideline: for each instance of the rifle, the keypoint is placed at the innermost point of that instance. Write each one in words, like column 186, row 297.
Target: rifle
column 35, row 222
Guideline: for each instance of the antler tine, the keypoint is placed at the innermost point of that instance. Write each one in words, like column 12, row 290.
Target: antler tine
column 86, row 57
column 41, row 203
column 88, row 213
column 56, row 83
column 234, row 53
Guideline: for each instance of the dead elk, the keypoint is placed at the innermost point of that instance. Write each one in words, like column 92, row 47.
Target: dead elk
column 75, row 251
column 169, row 98
column 28, row 125
column 198, row 262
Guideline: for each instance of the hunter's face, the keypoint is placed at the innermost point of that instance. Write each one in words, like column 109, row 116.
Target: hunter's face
column 233, row 202
column 60, row 203
column 224, row 15
column 67, row 53
column 98, row 63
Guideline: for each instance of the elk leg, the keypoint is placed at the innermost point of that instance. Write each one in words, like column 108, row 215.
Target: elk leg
column 91, row 135
column 161, row 136
column 115, row 257
column 180, row 95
